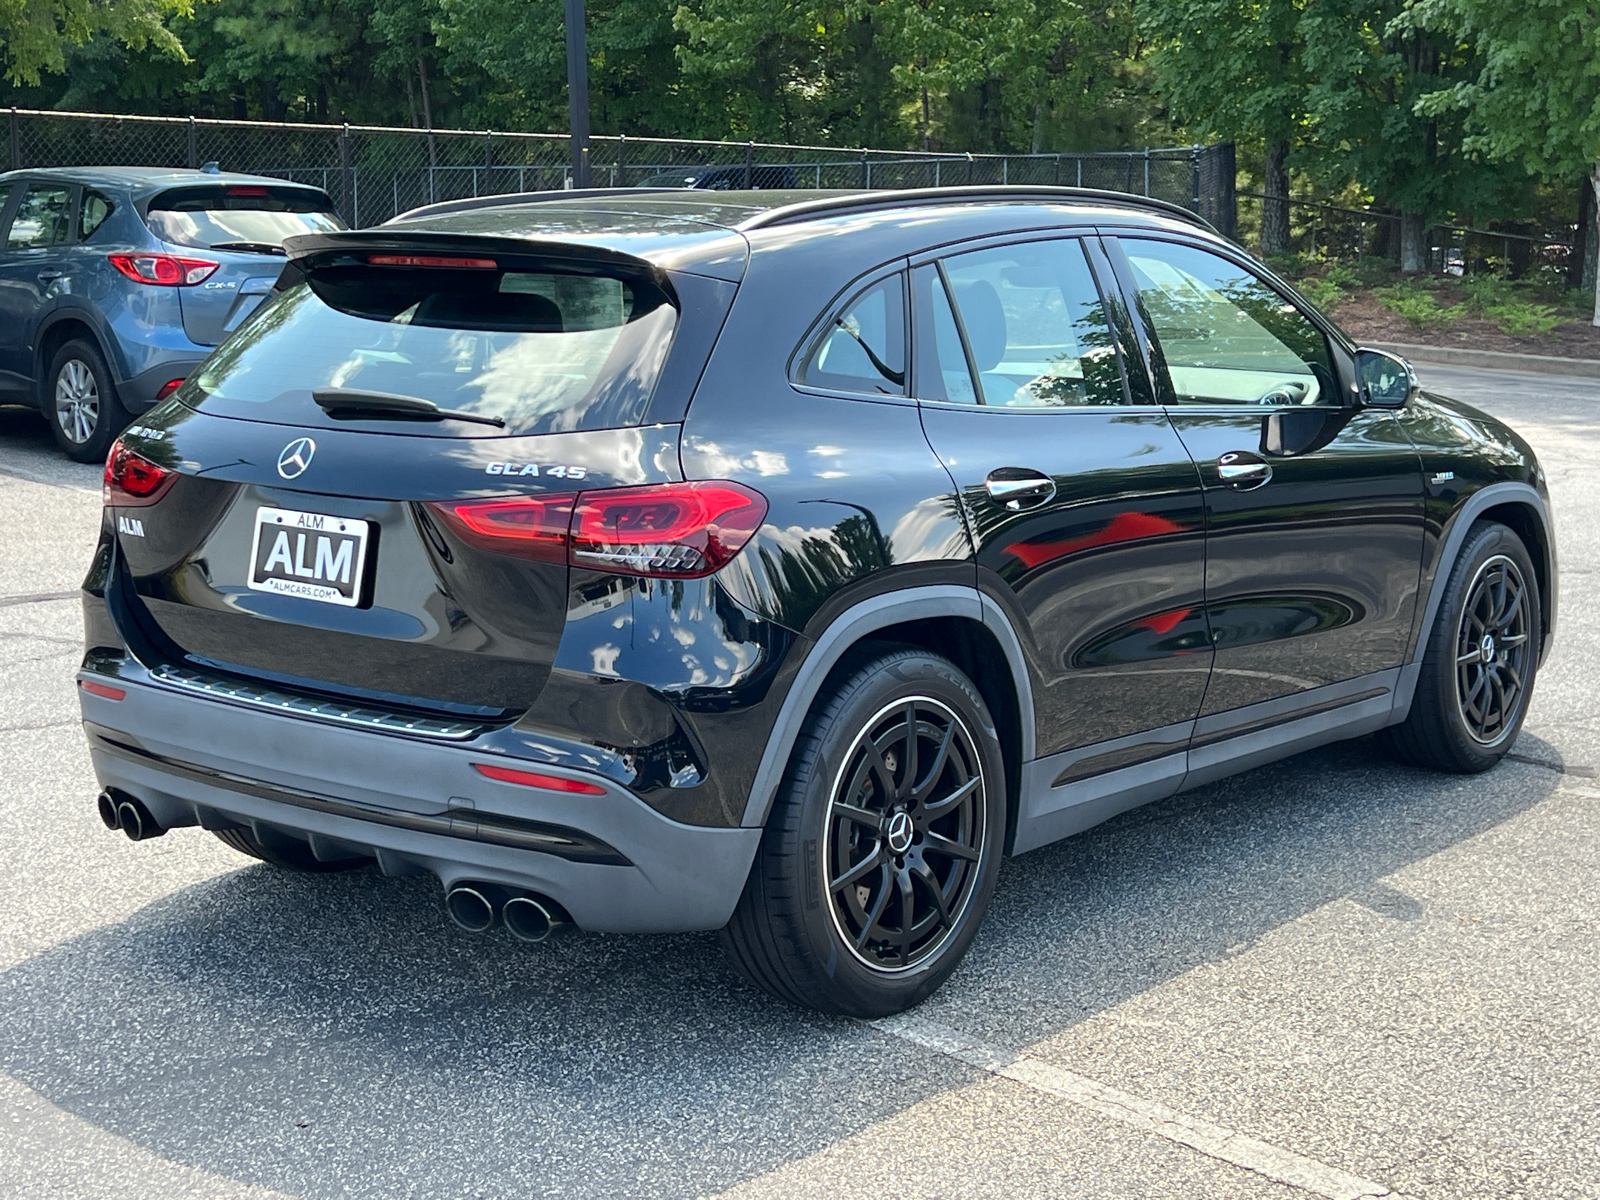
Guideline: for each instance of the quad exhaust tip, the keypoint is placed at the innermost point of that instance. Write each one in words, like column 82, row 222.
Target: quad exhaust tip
column 118, row 810
column 477, row 908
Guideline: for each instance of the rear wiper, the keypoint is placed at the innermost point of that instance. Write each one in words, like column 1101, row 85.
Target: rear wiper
column 352, row 402
column 252, row 248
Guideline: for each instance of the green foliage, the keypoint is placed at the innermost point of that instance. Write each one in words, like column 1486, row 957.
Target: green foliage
column 1419, row 306
column 36, row 34
column 1325, row 292
column 1524, row 319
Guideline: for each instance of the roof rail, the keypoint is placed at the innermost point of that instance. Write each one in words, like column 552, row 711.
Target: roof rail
column 442, row 207
column 868, row 201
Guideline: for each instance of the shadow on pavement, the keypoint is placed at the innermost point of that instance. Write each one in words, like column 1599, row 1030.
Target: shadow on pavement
column 332, row 1035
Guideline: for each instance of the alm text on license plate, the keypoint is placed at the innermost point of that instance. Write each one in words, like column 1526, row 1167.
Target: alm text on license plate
column 311, row 555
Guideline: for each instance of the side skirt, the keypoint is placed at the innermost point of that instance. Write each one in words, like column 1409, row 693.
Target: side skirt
column 1221, row 745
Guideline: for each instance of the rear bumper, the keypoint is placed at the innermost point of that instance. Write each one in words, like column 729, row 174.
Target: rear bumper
column 415, row 805
column 138, row 392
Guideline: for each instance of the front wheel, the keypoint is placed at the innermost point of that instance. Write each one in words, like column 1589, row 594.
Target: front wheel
column 1480, row 660
column 881, row 853
column 81, row 402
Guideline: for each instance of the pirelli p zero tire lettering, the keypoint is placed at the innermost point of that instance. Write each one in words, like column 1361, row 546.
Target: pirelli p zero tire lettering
column 1480, row 659
column 881, row 853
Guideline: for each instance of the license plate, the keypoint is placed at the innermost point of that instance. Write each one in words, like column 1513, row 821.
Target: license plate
column 310, row 555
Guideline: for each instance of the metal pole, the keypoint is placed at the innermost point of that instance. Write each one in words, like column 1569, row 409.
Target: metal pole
column 194, row 148
column 866, row 176
column 346, row 175
column 16, row 141
column 578, row 92
column 749, row 165
column 1147, row 170
column 488, row 161
column 622, row 158
column 1194, row 160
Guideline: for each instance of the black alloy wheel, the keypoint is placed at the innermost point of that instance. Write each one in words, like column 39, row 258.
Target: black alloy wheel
column 882, row 849
column 905, row 828
column 1480, row 659
column 1493, row 650
column 81, row 402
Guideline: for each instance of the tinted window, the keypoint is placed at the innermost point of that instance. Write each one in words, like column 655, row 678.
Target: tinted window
column 864, row 350
column 92, row 214
column 1227, row 337
column 545, row 351
column 1035, row 326
column 942, row 372
column 239, row 216
column 42, row 218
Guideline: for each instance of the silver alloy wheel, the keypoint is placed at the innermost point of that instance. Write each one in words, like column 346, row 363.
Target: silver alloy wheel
column 1493, row 653
column 77, row 401
column 905, row 831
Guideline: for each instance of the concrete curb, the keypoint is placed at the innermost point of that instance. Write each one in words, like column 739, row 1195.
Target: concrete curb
column 1496, row 360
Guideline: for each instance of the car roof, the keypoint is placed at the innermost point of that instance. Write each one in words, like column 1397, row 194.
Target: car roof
column 711, row 232
column 141, row 181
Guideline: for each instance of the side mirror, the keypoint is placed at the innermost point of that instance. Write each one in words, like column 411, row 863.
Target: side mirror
column 1384, row 380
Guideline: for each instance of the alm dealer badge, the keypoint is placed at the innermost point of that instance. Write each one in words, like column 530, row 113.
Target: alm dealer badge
column 310, row 555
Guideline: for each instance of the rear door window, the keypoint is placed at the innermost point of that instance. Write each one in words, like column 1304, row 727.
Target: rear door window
column 544, row 350
column 92, row 214
column 243, row 217
column 43, row 218
column 1034, row 327
column 863, row 349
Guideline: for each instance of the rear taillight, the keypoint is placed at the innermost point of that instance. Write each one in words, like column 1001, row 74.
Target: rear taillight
column 167, row 388
column 132, row 480
column 666, row 531
column 163, row 270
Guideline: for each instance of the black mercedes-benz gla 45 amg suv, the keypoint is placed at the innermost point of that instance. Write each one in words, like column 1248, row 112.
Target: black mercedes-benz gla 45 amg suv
column 777, row 562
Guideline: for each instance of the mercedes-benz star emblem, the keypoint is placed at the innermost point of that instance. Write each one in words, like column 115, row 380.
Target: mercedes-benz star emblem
column 296, row 457
column 900, row 832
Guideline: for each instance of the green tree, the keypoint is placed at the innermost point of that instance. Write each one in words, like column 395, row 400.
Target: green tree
column 1535, row 97
column 1235, row 69
column 35, row 34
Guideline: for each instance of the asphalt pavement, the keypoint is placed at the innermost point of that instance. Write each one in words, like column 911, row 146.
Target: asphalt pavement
column 1332, row 976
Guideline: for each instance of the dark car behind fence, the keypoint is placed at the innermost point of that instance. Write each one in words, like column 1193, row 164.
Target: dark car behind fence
column 374, row 173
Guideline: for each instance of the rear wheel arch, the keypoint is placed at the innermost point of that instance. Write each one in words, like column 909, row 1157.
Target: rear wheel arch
column 1524, row 521
column 58, row 333
column 952, row 621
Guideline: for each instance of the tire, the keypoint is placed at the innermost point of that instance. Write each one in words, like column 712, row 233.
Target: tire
column 932, row 829
column 1466, row 714
column 80, row 402
column 287, row 853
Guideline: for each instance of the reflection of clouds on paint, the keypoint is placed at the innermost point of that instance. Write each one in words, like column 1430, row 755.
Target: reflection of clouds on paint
column 826, row 451
column 715, row 461
column 605, row 659
column 678, row 628
column 928, row 532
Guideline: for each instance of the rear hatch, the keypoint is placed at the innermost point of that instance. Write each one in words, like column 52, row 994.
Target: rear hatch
column 241, row 227
column 400, row 542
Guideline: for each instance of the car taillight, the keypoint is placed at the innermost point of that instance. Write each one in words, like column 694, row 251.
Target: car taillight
column 674, row 530
column 665, row 531
column 163, row 270
column 132, row 480
column 167, row 388
column 529, row 526
column 431, row 260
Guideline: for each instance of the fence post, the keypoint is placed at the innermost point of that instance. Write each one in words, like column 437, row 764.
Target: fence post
column 488, row 161
column 622, row 157
column 749, row 165
column 1147, row 170
column 16, row 141
column 347, row 175
column 194, row 147
column 866, row 171
column 1194, row 163
column 1058, row 170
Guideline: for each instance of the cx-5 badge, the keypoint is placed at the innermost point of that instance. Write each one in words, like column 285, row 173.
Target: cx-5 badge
column 296, row 457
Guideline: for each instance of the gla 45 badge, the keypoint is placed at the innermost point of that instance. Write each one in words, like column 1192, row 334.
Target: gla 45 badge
column 551, row 470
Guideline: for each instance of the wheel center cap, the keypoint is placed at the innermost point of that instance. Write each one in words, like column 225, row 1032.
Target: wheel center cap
column 899, row 832
column 1486, row 648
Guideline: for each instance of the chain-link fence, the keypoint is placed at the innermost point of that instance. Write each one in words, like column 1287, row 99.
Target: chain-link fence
column 373, row 173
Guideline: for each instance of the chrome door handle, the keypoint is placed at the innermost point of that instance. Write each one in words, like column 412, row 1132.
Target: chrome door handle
column 1242, row 470
column 50, row 276
column 1019, row 487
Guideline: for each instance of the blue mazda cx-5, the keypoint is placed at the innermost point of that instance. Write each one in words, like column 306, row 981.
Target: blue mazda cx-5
column 115, row 282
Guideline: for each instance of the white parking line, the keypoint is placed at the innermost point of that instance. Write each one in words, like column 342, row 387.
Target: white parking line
column 1217, row 1141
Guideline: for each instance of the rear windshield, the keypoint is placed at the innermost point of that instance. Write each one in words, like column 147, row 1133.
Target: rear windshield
column 239, row 217
column 545, row 351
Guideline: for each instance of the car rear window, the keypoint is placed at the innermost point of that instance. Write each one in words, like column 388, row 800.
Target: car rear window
column 243, row 217
column 544, row 350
